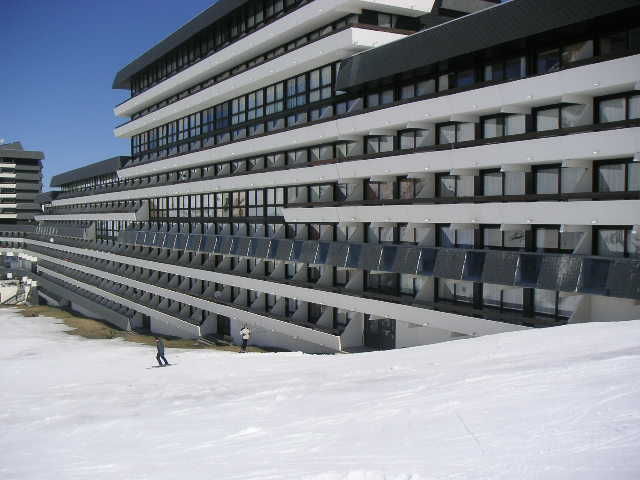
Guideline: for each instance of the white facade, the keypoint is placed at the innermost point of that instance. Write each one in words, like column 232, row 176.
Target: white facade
column 489, row 192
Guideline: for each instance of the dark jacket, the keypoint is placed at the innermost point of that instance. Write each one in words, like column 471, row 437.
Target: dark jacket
column 160, row 347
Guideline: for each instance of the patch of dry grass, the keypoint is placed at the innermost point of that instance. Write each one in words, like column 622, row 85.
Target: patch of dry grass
column 95, row 330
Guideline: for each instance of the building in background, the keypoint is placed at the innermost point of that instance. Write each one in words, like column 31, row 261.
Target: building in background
column 20, row 184
column 20, row 187
column 346, row 174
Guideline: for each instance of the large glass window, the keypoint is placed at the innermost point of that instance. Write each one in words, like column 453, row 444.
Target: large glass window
column 454, row 185
column 503, row 125
column 456, row 132
column 455, row 290
column 618, row 242
column 379, row 144
column 618, row 176
column 379, row 190
column 616, row 109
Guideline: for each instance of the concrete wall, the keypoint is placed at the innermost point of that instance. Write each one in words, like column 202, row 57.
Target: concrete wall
column 409, row 335
column 596, row 308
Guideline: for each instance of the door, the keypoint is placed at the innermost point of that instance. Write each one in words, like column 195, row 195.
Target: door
column 380, row 333
column 146, row 323
column 224, row 325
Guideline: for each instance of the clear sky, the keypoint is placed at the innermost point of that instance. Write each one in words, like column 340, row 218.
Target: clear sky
column 58, row 59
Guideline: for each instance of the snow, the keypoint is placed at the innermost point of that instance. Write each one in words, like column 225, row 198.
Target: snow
column 560, row 403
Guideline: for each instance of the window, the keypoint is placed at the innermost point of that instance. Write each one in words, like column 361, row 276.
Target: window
column 501, row 297
column 379, row 190
column 411, row 139
column 385, row 283
column 511, row 69
column 448, row 237
column 320, row 82
column 624, row 107
column 613, row 43
column 455, row 132
column 551, row 240
column 238, row 113
column 618, row 242
column 555, row 304
column 492, row 183
column 454, row 185
column 341, row 277
column 562, row 116
column 222, row 115
column 296, row 92
column 320, row 193
column 494, row 238
column 455, row 290
column 407, row 188
column 548, row 61
column 275, row 201
column 379, row 143
column 275, row 98
column 380, row 98
column 577, row 52
column 503, row 125
column 547, row 179
column 618, row 176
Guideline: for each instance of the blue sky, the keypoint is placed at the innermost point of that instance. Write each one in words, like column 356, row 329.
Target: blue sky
column 58, row 59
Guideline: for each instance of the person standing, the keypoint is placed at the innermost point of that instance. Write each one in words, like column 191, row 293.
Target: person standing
column 246, row 334
column 160, row 355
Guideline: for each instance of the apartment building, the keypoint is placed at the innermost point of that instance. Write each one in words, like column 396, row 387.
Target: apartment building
column 20, row 183
column 350, row 174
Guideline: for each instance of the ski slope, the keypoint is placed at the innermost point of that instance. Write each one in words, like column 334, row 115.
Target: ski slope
column 560, row 403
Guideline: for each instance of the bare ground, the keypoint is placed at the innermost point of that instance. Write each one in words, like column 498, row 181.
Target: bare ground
column 95, row 329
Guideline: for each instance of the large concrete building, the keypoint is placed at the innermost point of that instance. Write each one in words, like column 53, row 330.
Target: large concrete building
column 348, row 174
column 20, row 184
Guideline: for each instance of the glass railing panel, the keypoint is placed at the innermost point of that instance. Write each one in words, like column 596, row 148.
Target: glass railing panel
column 450, row 263
column 181, row 241
column 322, row 253
column 594, row 276
column 194, row 242
column 388, row 258
column 624, row 279
column 308, row 253
column 370, row 256
column 159, row 240
column 500, row 267
column 296, row 250
column 473, row 266
column 528, row 271
column 406, row 260
column 284, row 249
column 559, row 272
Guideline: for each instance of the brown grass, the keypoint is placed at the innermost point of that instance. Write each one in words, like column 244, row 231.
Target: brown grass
column 96, row 330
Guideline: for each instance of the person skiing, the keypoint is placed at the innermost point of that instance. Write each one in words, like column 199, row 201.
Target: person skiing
column 246, row 334
column 160, row 355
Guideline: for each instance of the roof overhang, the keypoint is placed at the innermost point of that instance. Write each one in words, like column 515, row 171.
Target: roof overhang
column 215, row 12
column 98, row 169
column 484, row 29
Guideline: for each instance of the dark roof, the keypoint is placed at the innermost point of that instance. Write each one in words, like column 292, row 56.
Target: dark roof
column 46, row 197
column 105, row 167
column 11, row 146
column 496, row 25
column 196, row 25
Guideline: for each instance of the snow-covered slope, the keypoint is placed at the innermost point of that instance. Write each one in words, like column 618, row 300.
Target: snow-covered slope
column 559, row 403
